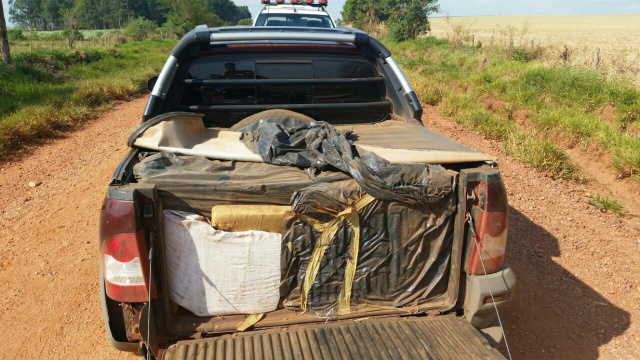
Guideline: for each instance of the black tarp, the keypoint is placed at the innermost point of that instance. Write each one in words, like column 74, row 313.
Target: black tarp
column 281, row 139
column 406, row 233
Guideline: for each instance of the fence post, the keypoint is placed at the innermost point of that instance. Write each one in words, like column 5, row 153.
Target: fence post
column 565, row 54
column 473, row 40
column 596, row 58
column 532, row 44
column 30, row 47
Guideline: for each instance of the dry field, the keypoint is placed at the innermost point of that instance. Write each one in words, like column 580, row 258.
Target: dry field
column 617, row 37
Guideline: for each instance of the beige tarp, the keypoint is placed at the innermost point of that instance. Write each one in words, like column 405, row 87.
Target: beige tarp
column 397, row 142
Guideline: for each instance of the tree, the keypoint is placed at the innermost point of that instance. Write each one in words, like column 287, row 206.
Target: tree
column 411, row 19
column 357, row 12
column 51, row 13
column 245, row 22
column 228, row 11
column 6, row 52
column 407, row 19
column 71, row 17
column 26, row 13
column 371, row 10
column 184, row 15
column 139, row 28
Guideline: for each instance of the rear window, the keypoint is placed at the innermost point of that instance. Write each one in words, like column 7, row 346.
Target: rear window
column 239, row 85
column 303, row 20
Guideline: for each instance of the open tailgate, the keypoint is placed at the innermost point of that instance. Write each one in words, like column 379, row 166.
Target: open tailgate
column 433, row 337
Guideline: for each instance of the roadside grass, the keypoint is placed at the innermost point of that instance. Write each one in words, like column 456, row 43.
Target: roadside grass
column 46, row 91
column 58, row 33
column 607, row 203
column 506, row 94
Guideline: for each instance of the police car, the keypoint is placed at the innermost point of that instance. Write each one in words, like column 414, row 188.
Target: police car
column 305, row 13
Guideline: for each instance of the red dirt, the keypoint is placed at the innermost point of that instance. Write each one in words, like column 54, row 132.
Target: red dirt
column 578, row 290
column 578, row 286
column 607, row 114
column 50, row 303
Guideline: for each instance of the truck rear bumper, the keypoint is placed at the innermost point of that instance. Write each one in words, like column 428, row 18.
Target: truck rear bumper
column 478, row 305
column 414, row 337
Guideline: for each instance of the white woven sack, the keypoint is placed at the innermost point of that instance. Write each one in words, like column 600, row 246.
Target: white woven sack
column 214, row 272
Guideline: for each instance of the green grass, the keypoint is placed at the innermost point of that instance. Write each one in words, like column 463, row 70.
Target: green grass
column 605, row 204
column 86, row 33
column 45, row 91
column 537, row 107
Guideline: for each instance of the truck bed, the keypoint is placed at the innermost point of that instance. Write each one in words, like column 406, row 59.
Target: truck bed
column 424, row 337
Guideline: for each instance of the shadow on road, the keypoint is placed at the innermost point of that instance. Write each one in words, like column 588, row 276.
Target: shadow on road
column 553, row 314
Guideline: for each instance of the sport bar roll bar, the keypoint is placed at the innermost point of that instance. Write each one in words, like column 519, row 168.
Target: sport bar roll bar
column 202, row 36
column 250, row 82
column 406, row 105
column 261, row 107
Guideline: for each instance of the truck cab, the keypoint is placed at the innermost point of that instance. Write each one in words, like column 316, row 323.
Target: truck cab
column 296, row 13
column 283, row 199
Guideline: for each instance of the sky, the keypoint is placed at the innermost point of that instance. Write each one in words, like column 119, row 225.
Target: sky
column 504, row 7
column 488, row 7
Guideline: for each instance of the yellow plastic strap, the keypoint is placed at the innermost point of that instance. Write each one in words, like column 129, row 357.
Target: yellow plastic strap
column 232, row 218
column 249, row 321
column 328, row 230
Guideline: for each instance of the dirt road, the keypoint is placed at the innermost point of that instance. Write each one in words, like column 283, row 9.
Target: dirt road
column 578, row 293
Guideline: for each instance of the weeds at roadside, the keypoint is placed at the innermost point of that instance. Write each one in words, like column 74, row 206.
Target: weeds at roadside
column 47, row 91
column 607, row 203
column 559, row 102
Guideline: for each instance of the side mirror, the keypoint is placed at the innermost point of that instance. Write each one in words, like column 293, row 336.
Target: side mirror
column 151, row 82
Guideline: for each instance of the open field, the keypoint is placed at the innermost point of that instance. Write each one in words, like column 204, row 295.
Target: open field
column 617, row 37
column 51, row 40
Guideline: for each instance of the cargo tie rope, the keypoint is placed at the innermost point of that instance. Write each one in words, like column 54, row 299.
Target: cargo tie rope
column 486, row 277
column 149, row 304
column 328, row 231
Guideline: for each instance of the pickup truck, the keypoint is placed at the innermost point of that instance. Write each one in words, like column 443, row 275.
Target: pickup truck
column 389, row 239
column 296, row 13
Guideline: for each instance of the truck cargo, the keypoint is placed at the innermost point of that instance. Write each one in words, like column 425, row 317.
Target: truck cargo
column 282, row 183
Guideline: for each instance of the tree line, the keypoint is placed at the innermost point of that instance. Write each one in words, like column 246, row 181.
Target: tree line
column 177, row 15
column 406, row 19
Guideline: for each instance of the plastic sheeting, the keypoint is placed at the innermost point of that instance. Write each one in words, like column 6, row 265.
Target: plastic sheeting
column 403, row 258
column 403, row 236
column 403, row 249
column 319, row 146
column 194, row 183
column 395, row 141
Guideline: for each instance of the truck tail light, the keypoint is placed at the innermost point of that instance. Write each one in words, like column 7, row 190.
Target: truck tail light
column 323, row 2
column 491, row 219
column 308, row 2
column 294, row 1
column 124, row 253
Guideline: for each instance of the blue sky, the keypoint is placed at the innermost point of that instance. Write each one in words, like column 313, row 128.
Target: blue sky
column 492, row 7
column 504, row 7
